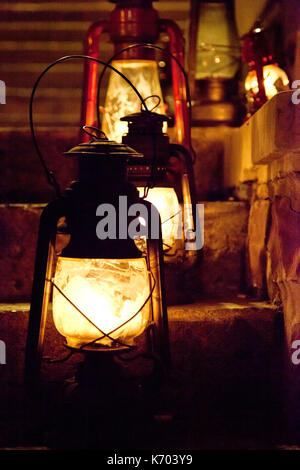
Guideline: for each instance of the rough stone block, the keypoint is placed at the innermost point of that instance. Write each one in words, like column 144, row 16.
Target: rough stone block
column 208, row 143
column 226, row 367
column 259, row 219
column 220, row 268
column 22, row 176
column 23, row 179
column 227, row 359
column 270, row 134
column 284, row 256
column 18, row 237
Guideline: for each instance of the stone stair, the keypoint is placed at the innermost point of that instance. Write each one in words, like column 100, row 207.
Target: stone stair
column 225, row 387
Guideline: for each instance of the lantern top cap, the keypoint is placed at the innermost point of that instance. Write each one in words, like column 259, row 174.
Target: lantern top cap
column 132, row 2
column 255, row 44
column 146, row 117
column 102, row 147
column 214, row 1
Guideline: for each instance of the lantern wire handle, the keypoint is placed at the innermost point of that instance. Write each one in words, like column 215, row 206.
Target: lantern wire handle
column 156, row 105
column 99, row 131
column 49, row 174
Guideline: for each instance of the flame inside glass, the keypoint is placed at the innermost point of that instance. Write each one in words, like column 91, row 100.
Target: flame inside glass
column 274, row 79
column 108, row 292
column 166, row 202
column 122, row 100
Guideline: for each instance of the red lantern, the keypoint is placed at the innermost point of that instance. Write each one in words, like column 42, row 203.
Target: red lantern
column 135, row 22
column 265, row 78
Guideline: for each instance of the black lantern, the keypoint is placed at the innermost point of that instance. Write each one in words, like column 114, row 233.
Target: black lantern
column 106, row 291
column 164, row 177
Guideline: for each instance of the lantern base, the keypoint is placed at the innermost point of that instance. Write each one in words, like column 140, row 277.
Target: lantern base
column 99, row 372
column 104, row 374
column 106, row 406
column 214, row 114
column 216, row 103
column 98, row 348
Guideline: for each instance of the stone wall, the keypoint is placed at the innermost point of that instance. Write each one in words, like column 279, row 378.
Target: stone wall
column 264, row 153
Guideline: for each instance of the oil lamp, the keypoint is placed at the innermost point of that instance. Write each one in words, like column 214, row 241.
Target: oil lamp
column 133, row 22
column 214, row 58
column 164, row 176
column 106, row 291
column 265, row 78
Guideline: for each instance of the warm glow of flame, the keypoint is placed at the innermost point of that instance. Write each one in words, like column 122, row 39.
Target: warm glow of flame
column 166, row 202
column 107, row 291
column 121, row 99
column 275, row 79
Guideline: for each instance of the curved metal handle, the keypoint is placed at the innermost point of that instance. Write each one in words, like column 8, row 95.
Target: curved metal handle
column 189, row 199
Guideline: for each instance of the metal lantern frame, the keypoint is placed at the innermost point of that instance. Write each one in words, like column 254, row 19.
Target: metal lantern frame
column 215, row 99
column 155, row 170
column 69, row 205
column 134, row 22
column 257, row 54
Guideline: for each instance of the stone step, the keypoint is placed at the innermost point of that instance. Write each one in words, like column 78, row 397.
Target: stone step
column 22, row 176
column 226, row 371
column 220, row 270
column 23, row 179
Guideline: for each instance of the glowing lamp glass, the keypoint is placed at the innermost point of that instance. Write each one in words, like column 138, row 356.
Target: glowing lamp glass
column 274, row 79
column 218, row 49
column 166, row 202
column 121, row 99
column 108, row 292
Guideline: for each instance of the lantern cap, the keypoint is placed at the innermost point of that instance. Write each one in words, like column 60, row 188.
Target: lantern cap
column 133, row 2
column 147, row 117
column 145, row 123
column 255, row 45
column 102, row 147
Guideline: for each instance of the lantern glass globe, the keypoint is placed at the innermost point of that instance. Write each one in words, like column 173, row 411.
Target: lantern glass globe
column 107, row 292
column 218, row 47
column 121, row 99
column 275, row 79
column 166, row 202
